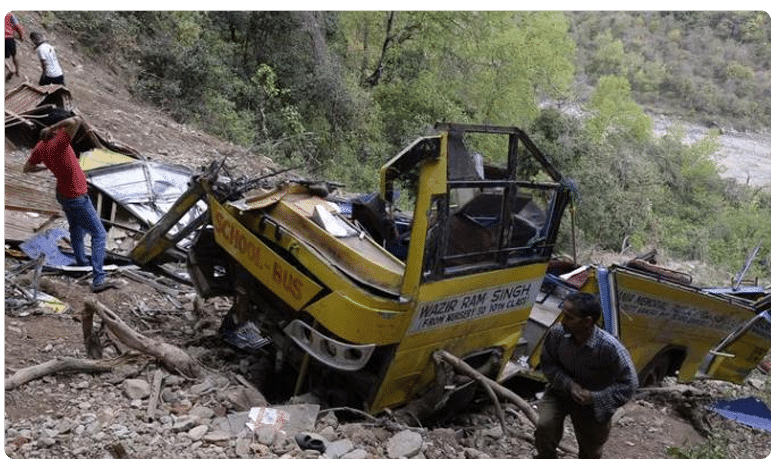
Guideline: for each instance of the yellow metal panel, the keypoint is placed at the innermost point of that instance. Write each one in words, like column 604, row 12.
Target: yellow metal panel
column 101, row 157
column 322, row 269
column 748, row 350
column 433, row 176
column 350, row 312
column 358, row 256
column 259, row 198
column 413, row 368
column 361, row 320
column 460, row 315
column 283, row 279
column 654, row 315
column 496, row 304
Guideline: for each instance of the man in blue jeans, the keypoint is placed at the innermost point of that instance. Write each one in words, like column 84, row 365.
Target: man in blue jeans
column 55, row 153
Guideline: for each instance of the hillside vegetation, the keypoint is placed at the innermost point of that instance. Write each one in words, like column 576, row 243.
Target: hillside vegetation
column 340, row 92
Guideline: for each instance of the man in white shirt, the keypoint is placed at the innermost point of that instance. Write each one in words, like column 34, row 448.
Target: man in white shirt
column 52, row 73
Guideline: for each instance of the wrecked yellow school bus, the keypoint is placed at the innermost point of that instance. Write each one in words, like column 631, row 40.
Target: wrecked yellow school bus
column 670, row 326
column 355, row 295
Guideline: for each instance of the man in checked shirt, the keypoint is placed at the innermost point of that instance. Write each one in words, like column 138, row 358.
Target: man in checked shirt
column 590, row 375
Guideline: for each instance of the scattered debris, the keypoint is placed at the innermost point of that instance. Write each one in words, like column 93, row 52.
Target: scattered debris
column 139, row 193
column 155, row 396
column 311, row 441
column 749, row 411
column 260, row 418
column 245, row 336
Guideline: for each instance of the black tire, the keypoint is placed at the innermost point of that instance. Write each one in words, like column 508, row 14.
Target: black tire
column 655, row 371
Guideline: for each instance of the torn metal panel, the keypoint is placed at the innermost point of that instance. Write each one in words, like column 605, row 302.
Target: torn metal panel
column 147, row 190
column 27, row 108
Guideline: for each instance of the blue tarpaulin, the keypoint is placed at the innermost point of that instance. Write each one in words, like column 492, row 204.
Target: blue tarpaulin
column 749, row 411
column 46, row 243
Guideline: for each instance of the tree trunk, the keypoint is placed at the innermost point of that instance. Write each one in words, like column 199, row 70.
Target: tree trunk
column 174, row 358
column 58, row 365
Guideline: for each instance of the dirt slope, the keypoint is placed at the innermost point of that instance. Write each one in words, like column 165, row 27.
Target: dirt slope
column 100, row 93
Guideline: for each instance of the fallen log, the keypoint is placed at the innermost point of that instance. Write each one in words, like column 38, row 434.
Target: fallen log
column 172, row 357
column 54, row 366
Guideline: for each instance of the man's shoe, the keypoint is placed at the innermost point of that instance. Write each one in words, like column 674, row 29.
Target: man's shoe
column 96, row 288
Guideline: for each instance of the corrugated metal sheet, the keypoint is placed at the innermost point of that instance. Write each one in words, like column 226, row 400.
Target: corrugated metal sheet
column 146, row 189
column 28, row 96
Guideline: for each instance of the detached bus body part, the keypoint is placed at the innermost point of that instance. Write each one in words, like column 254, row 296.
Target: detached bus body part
column 669, row 326
column 355, row 296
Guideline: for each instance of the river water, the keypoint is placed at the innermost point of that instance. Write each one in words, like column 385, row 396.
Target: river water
column 744, row 156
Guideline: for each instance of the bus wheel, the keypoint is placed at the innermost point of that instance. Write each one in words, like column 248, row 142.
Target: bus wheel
column 655, row 371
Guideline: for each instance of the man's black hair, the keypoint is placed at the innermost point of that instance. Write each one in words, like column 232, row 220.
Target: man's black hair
column 57, row 114
column 587, row 305
column 36, row 38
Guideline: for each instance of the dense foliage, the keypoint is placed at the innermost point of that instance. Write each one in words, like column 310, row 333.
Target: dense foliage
column 705, row 66
column 340, row 92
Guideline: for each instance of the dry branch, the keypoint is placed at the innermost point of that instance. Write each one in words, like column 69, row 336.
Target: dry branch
column 58, row 365
column 91, row 339
column 463, row 367
column 499, row 410
column 172, row 357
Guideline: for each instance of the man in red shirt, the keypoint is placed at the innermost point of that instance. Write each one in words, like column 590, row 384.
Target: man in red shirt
column 12, row 27
column 55, row 153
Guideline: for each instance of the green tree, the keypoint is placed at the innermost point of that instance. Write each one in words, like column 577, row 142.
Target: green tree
column 615, row 113
column 609, row 57
column 486, row 67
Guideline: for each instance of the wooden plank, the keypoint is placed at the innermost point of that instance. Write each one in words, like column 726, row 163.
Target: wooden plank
column 19, row 226
column 29, row 192
column 10, row 116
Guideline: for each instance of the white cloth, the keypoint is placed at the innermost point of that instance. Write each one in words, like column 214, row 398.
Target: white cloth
column 49, row 59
